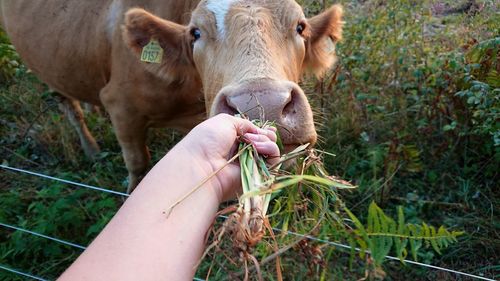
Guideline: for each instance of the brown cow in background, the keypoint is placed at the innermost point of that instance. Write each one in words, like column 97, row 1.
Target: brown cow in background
column 212, row 56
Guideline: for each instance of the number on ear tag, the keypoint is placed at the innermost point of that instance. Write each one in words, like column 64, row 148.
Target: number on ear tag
column 152, row 52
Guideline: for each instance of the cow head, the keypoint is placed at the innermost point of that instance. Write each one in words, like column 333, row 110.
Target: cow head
column 249, row 56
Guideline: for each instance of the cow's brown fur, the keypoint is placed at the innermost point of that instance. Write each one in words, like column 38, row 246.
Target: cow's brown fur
column 84, row 54
column 327, row 24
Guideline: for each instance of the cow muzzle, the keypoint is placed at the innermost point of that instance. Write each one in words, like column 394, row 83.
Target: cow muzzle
column 282, row 102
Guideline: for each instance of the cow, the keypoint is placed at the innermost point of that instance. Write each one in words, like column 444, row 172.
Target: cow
column 167, row 63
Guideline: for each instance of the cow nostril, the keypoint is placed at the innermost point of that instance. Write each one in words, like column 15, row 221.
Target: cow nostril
column 290, row 108
column 225, row 107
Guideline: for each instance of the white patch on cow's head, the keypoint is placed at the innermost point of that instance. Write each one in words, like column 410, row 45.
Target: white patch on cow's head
column 220, row 8
column 115, row 11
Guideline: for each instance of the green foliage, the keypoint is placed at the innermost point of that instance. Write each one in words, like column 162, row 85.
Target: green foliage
column 54, row 210
column 481, row 88
column 484, row 62
column 383, row 233
column 391, row 109
column 10, row 62
column 411, row 113
column 310, row 199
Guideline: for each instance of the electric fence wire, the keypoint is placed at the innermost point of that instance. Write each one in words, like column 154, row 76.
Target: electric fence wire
column 63, row 181
column 43, row 236
column 312, row 238
column 21, row 273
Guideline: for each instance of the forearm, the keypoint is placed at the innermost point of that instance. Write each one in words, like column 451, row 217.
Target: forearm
column 140, row 242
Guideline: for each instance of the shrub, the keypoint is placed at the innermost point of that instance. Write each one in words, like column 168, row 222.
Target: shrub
column 9, row 59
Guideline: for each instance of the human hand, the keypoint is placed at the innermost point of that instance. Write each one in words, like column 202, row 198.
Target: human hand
column 212, row 143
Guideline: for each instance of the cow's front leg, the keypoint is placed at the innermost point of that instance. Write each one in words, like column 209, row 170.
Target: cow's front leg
column 136, row 156
column 74, row 113
column 131, row 134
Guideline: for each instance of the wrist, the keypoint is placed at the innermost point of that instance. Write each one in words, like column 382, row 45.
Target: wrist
column 203, row 168
column 198, row 171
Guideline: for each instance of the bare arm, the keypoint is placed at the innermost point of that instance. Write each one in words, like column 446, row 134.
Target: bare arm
column 140, row 242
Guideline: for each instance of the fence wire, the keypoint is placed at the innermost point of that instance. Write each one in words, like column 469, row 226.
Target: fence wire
column 309, row 237
column 63, row 181
column 43, row 236
column 21, row 273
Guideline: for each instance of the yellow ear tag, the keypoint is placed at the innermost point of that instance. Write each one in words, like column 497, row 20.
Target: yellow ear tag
column 152, row 52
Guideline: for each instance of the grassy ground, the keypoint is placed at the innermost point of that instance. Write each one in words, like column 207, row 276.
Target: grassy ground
column 389, row 111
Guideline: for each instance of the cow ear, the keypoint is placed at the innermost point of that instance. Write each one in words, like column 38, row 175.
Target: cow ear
column 141, row 27
column 325, row 32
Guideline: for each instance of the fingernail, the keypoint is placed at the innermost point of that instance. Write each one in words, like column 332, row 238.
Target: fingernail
column 270, row 128
column 262, row 131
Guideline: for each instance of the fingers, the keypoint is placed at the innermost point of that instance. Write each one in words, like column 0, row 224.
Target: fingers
column 248, row 127
column 272, row 128
column 270, row 150
column 270, row 132
column 244, row 126
column 256, row 137
column 264, row 146
column 264, row 139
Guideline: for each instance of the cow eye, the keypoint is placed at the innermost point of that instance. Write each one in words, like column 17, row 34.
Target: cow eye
column 196, row 33
column 300, row 28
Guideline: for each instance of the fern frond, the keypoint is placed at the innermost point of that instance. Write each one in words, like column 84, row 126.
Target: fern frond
column 383, row 234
